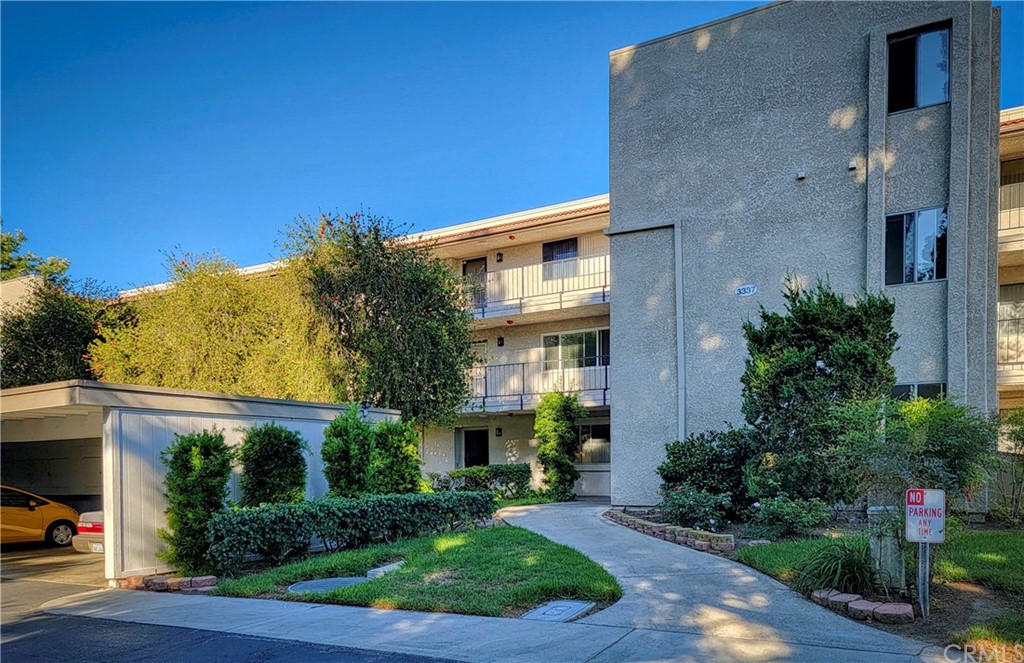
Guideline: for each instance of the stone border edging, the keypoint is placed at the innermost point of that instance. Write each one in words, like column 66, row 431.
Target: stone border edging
column 684, row 536
column 854, row 605
column 165, row 583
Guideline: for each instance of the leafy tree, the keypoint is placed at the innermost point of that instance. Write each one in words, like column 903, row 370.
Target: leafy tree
column 14, row 264
column 822, row 352
column 346, row 452
column 45, row 337
column 555, row 427
column 273, row 466
column 217, row 330
column 198, row 469
column 398, row 312
column 395, row 459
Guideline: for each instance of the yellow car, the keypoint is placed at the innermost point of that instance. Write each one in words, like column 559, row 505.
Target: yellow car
column 28, row 517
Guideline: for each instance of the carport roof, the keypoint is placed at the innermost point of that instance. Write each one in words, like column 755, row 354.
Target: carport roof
column 88, row 396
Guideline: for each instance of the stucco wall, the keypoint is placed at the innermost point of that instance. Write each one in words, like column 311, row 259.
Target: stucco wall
column 708, row 130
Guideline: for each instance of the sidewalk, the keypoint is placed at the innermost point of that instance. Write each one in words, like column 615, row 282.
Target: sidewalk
column 676, row 607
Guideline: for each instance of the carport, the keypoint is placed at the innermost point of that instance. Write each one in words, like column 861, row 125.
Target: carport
column 99, row 445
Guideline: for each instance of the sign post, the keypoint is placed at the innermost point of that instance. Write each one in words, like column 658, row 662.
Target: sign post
column 925, row 525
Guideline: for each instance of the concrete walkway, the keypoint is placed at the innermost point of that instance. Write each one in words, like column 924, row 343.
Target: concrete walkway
column 678, row 605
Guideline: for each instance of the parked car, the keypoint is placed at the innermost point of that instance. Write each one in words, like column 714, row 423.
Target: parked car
column 90, row 533
column 25, row 516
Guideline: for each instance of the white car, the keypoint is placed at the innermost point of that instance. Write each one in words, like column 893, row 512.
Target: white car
column 90, row 533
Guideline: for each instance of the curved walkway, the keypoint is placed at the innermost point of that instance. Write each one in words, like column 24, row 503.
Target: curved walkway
column 690, row 602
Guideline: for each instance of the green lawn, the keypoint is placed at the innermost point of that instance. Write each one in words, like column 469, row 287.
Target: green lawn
column 993, row 558
column 499, row 571
column 523, row 501
column 1006, row 629
column 779, row 560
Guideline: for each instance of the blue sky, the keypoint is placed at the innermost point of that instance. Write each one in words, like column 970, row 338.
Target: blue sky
column 132, row 128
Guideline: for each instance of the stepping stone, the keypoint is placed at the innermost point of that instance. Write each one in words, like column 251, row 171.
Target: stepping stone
column 324, row 585
column 381, row 570
column 558, row 611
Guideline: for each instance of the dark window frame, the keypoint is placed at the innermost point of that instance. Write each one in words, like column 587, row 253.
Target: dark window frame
column 895, row 268
column 906, row 391
column 902, row 94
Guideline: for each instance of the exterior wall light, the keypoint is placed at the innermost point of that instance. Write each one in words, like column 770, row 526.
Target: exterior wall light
column 497, row 431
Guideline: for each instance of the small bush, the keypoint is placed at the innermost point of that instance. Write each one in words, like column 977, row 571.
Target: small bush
column 198, row 469
column 511, row 480
column 276, row 532
column 348, row 443
column 711, row 461
column 555, row 427
column 395, row 459
column 273, row 465
column 776, row 517
column 843, row 564
column 687, row 506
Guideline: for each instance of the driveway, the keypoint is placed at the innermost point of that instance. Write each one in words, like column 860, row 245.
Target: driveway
column 735, row 612
column 62, row 565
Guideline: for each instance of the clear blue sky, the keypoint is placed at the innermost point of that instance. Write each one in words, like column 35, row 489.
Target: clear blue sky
column 130, row 128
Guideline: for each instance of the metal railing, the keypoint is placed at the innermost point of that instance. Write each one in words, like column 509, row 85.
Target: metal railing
column 1010, row 344
column 540, row 287
column 505, row 387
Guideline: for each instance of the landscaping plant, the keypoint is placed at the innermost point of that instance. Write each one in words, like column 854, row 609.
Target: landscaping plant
column 687, row 506
column 555, row 428
column 273, row 465
column 712, row 461
column 395, row 459
column 1010, row 490
column 781, row 516
column 825, row 350
column 198, row 469
column 346, row 453
column 511, row 480
column 843, row 564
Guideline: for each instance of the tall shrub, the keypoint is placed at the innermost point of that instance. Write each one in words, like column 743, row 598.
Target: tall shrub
column 346, row 452
column 712, row 461
column 555, row 428
column 395, row 459
column 273, row 465
column 198, row 469
column 823, row 351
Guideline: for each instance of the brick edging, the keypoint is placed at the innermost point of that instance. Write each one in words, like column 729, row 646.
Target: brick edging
column 684, row 536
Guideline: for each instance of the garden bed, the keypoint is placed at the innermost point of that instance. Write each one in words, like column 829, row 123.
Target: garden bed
column 977, row 591
column 499, row 572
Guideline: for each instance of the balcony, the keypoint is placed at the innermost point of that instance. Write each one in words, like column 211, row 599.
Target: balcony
column 1010, row 351
column 545, row 286
column 514, row 387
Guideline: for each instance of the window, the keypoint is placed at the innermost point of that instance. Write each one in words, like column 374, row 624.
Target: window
column 576, row 349
column 14, row 498
column 905, row 392
column 918, row 69
column 595, row 443
column 915, row 246
column 558, row 258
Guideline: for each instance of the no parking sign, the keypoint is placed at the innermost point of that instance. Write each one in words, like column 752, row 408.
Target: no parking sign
column 926, row 515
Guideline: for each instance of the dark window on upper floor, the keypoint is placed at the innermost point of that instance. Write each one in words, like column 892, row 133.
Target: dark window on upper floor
column 915, row 246
column 560, row 255
column 918, row 69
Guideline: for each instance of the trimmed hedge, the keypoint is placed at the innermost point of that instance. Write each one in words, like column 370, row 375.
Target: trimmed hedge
column 278, row 531
column 511, row 480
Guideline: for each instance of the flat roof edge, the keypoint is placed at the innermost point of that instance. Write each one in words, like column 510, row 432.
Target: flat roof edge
column 702, row 26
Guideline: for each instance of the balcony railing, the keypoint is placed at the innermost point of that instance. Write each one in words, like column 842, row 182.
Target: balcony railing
column 1011, row 219
column 505, row 387
column 541, row 287
column 1010, row 345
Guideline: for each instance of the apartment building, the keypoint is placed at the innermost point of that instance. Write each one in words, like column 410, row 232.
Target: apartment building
column 541, row 282
column 850, row 141
column 1010, row 335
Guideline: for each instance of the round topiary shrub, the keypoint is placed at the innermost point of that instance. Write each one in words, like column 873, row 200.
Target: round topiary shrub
column 273, row 465
column 348, row 443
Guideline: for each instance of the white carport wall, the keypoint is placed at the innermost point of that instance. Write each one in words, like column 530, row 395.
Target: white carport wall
column 136, row 424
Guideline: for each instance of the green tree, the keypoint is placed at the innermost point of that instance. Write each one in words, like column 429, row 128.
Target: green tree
column 346, row 453
column 198, row 469
column 218, row 330
column 46, row 337
column 822, row 352
column 273, row 465
column 395, row 459
column 398, row 312
column 555, row 428
column 14, row 264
